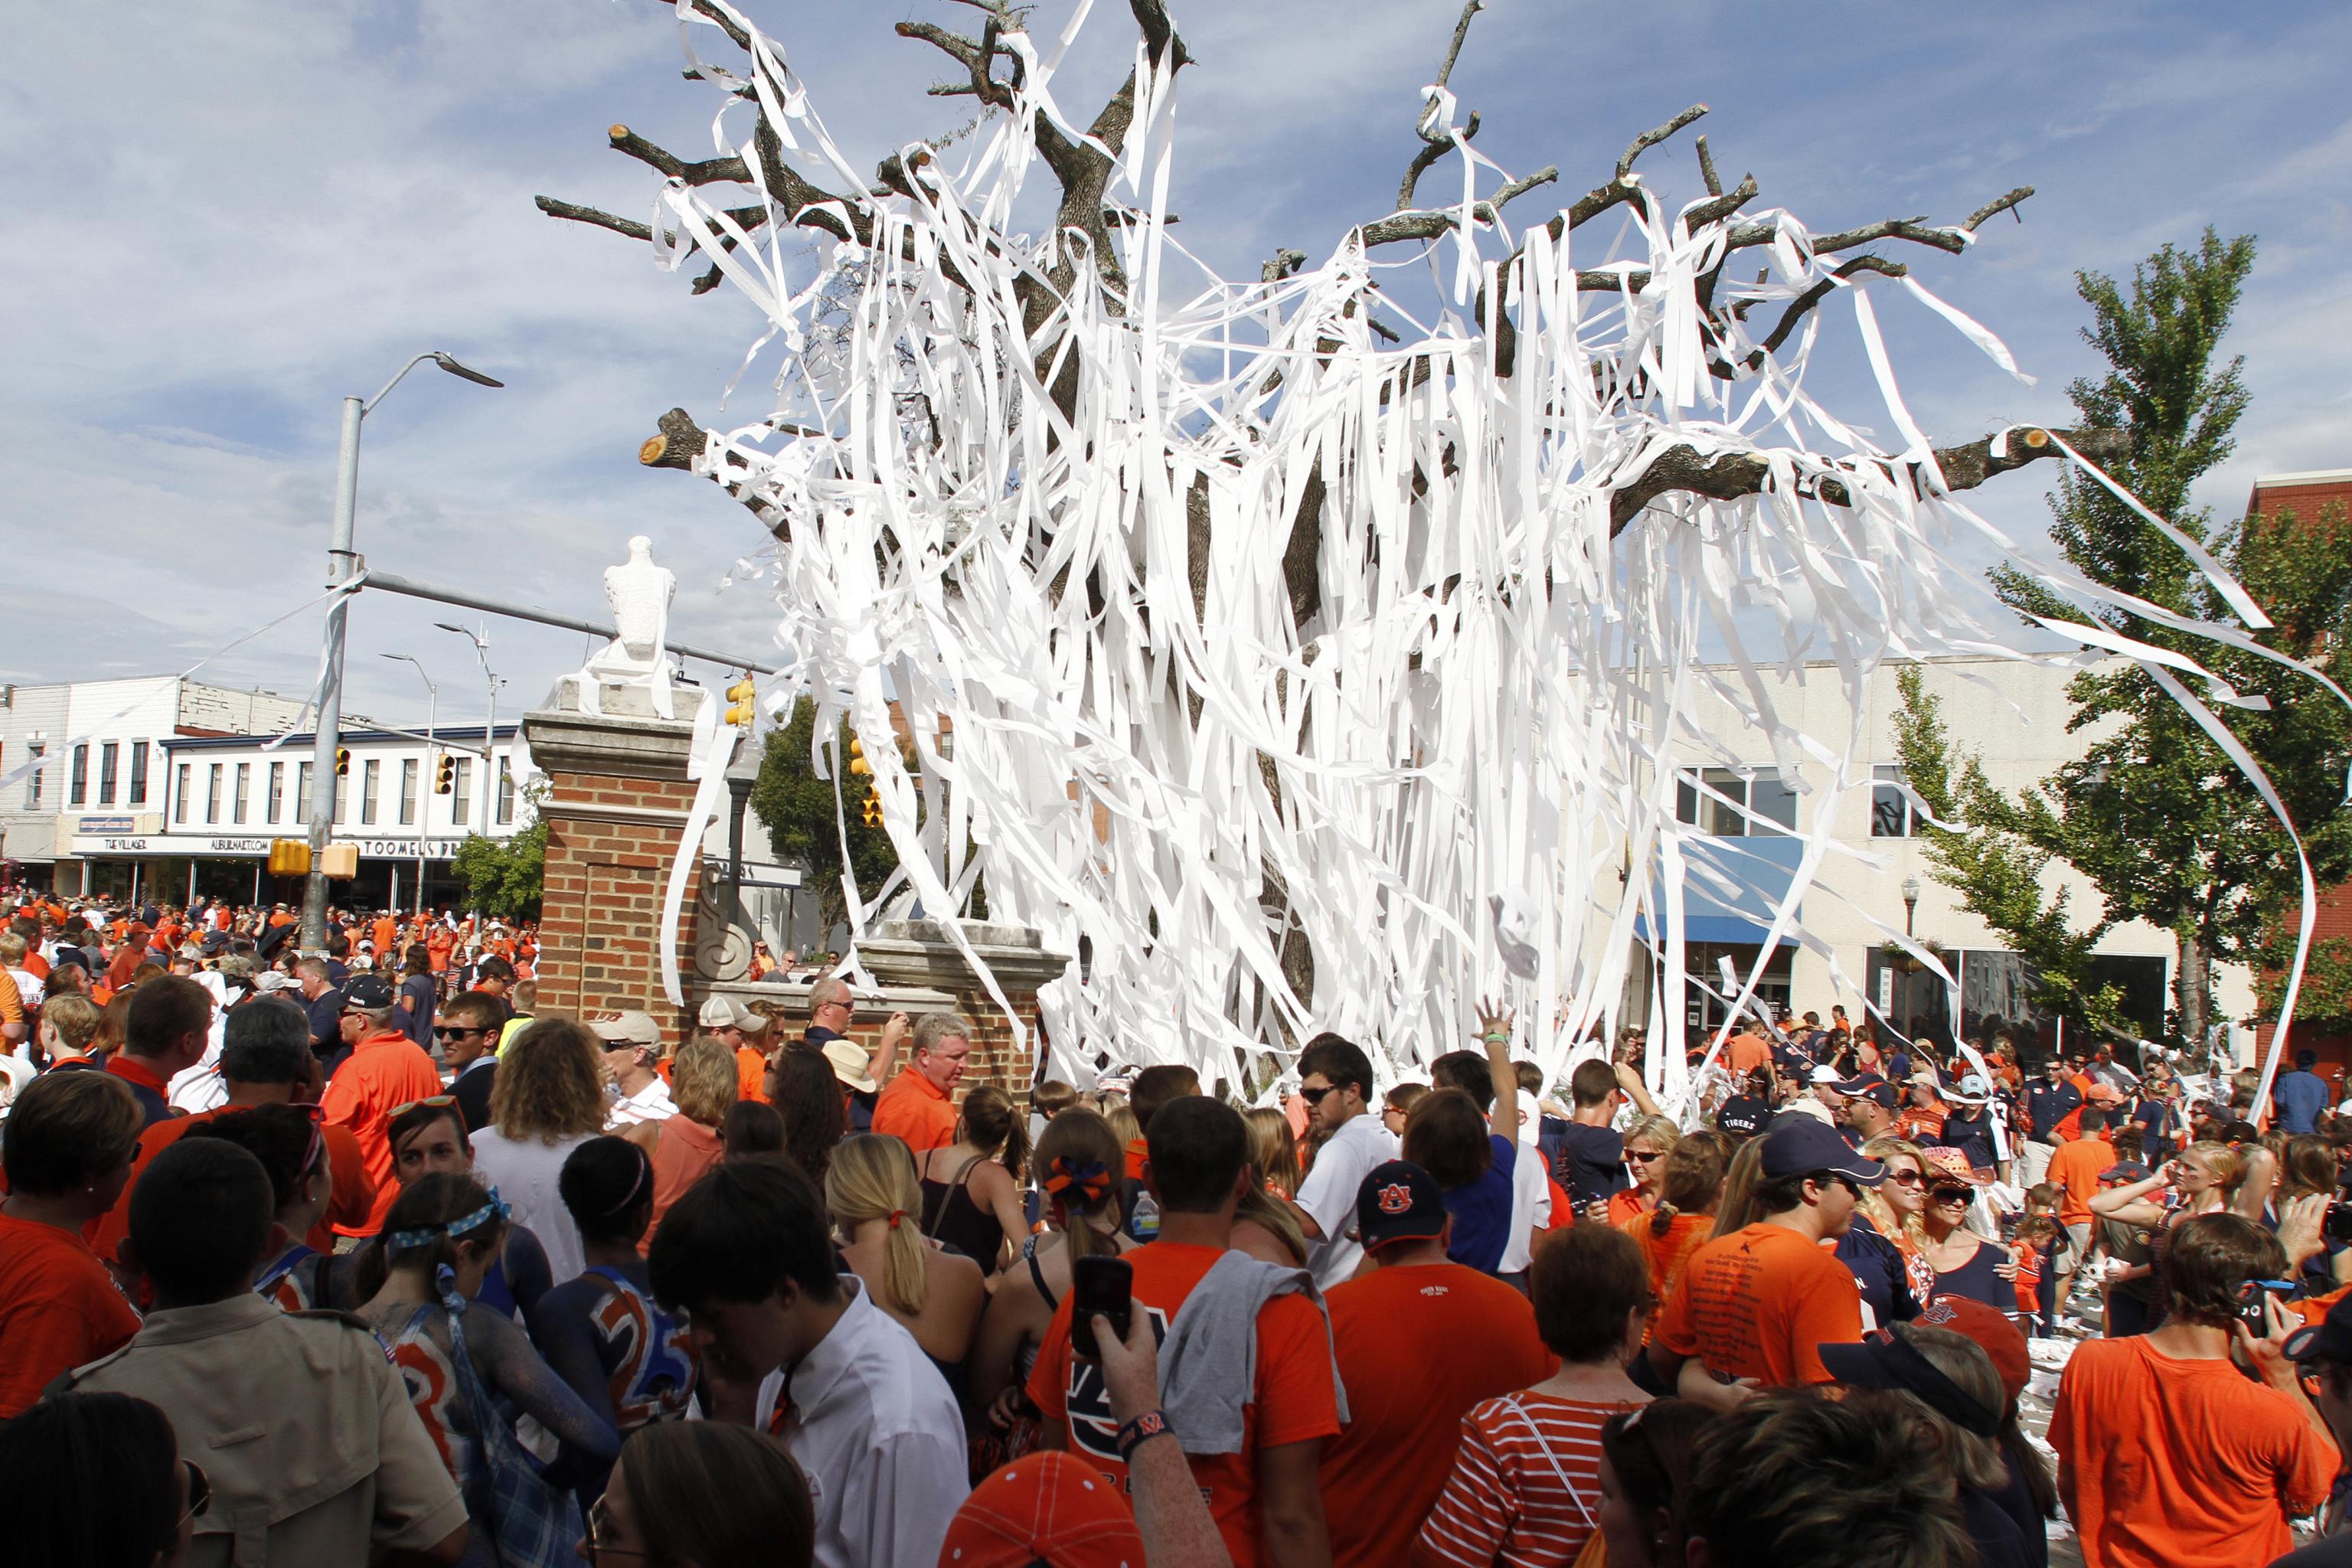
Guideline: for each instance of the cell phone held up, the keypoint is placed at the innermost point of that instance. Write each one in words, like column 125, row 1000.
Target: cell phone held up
column 1104, row 1286
column 2252, row 1298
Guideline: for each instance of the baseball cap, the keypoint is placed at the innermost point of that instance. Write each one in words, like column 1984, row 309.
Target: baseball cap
column 1971, row 1090
column 273, row 980
column 372, row 992
column 1868, row 1086
column 1884, row 1359
column 1398, row 1201
column 2105, row 1094
column 2124, row 1171
column 1799, row 1145
column 1743, row 1116
column 2330, row 1339
column 723, row 1012
column 1992, row 1329
column 1049, row 1508
column 1825, row 1076
column 628, row 1028
column 849, row 1065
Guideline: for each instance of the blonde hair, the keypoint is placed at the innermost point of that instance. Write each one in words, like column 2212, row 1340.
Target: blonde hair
column 873, row 1177
column 2228, row 1164
column 1741, row 1208
column 1658, row 1130
column 1274, row 1151
column 1693, row 1178
column 74, row 1018
column 703, row 1083
column 1123, row 1124
column 549, row 1084
column 1911, row 1234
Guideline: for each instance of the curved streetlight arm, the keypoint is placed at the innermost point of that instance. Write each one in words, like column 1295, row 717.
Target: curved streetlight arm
column 444, row 360
column 368, row 407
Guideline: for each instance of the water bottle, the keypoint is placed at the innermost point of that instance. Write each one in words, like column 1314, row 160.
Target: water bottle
column 1143, row 1219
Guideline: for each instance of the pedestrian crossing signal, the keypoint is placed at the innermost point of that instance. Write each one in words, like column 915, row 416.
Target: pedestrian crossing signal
column 343, row 762
column 445, row 775
column 872, row 810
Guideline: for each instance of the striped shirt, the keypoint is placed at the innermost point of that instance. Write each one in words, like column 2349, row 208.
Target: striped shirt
column 1526, row 1487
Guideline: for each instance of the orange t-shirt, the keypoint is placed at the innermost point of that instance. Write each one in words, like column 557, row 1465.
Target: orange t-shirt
column 751, row 1075
column 2070, row 1126
column 1628, row 1204
column 1759, row 1303
column 2075, row 1167
column 913, row 1110
column 1747, row 1052
column 1923, row 1124
column 386, row 932
column 1291, row 1398
column 2180, row 1463
column 352, row 1200
column 1418, row 1346
column 383, row 1073
column 58, row 1310
column 1668, row 1256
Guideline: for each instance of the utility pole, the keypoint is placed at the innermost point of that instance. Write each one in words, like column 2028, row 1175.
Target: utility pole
column 343, row 563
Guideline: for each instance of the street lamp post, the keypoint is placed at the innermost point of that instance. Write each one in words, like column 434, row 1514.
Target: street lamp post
column 424, row 793
column 342, row 563
column 481, row 641
column 1910, row 902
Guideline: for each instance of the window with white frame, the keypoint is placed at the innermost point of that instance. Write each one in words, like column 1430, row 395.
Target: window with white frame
column 1736, row 802
column 1891, row 815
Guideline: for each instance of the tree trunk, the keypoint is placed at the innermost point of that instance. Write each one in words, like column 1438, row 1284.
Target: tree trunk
column 2192, row 988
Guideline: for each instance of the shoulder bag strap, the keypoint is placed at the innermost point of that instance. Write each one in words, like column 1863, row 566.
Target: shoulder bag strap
column 1516, row 1408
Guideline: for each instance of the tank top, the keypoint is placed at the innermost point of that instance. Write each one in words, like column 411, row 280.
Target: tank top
column 951, row 1216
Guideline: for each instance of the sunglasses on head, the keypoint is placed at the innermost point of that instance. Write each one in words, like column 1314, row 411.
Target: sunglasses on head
column 434, row 1102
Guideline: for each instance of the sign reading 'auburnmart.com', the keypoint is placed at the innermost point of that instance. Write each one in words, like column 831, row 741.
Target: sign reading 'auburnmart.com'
column 183, row 845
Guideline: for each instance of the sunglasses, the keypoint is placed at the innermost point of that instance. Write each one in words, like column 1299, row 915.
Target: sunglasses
column 1948, row 1195
column 1315, row 1096
column 441, row 1032
column 1906, row 1178
column 433, row 1101
column 600, row 1534
column 1641, row 1156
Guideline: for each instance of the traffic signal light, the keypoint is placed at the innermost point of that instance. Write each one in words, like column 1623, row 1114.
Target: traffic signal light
column 742, row 698
column 445, row 775
column 857, row 762
column 343, row 761
column 872, row 815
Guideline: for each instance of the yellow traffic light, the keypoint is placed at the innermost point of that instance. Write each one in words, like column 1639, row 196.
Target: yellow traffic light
column 290, row 857
column 872, row 813
column 857, row 762
column 445, row 775
column 742, row 701
column 343, row 761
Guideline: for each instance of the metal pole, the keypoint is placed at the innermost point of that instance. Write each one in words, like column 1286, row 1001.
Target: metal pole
column 425, row 795
column 331, row 683
column 490, row 753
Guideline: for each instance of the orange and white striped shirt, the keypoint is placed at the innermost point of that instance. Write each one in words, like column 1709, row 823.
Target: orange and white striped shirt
column 1526, row 1487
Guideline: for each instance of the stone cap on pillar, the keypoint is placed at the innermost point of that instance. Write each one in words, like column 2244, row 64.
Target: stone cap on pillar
column 619, row 743
column 922, row 952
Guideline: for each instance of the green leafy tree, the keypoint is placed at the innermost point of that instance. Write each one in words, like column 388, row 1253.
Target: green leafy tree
column 2153, row 813
column 504, row 877
column 798, row 809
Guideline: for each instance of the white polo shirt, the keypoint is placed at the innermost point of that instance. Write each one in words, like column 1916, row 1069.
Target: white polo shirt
column 877, row 1433
column 1359, row 1147
column 1530, row 1192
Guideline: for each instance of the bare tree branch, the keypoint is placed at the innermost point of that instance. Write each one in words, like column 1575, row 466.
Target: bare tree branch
column 2008, row 204
column 709, row 171
column 1707, row 170
column 1652, row 137
column 1733, row 475
column 1422, row 161
column 591, row 216
column 1803, row 303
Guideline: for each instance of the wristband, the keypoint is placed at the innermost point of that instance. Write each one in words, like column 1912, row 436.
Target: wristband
column 1141, row 1430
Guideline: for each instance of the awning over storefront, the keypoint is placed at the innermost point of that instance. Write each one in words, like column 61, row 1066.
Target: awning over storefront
column 1760, row 870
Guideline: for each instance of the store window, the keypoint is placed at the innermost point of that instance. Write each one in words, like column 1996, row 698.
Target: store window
column 506, row 791
column 138, row 795
column 243, row 790
column 213, row 794
column 371, row 778
column 1730, row 803
column 77, row 784
column 33, row 779
column 180, row 807
column 107, row 755
column 461, row 786
column 277, row 797
column 302, row 792
column 407, row 791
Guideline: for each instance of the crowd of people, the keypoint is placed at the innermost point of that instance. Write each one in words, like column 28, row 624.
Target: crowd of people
column 318, row 1265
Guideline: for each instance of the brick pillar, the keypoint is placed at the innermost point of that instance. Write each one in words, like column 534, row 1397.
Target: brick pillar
column 616, row 805
column 919, row 954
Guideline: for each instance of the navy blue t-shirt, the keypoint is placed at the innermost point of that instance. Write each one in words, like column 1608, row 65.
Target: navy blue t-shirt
column 1591, row 1163
column 1482, row 1211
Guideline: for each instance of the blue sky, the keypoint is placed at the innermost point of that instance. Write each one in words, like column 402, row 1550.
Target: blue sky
column 230, row 214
